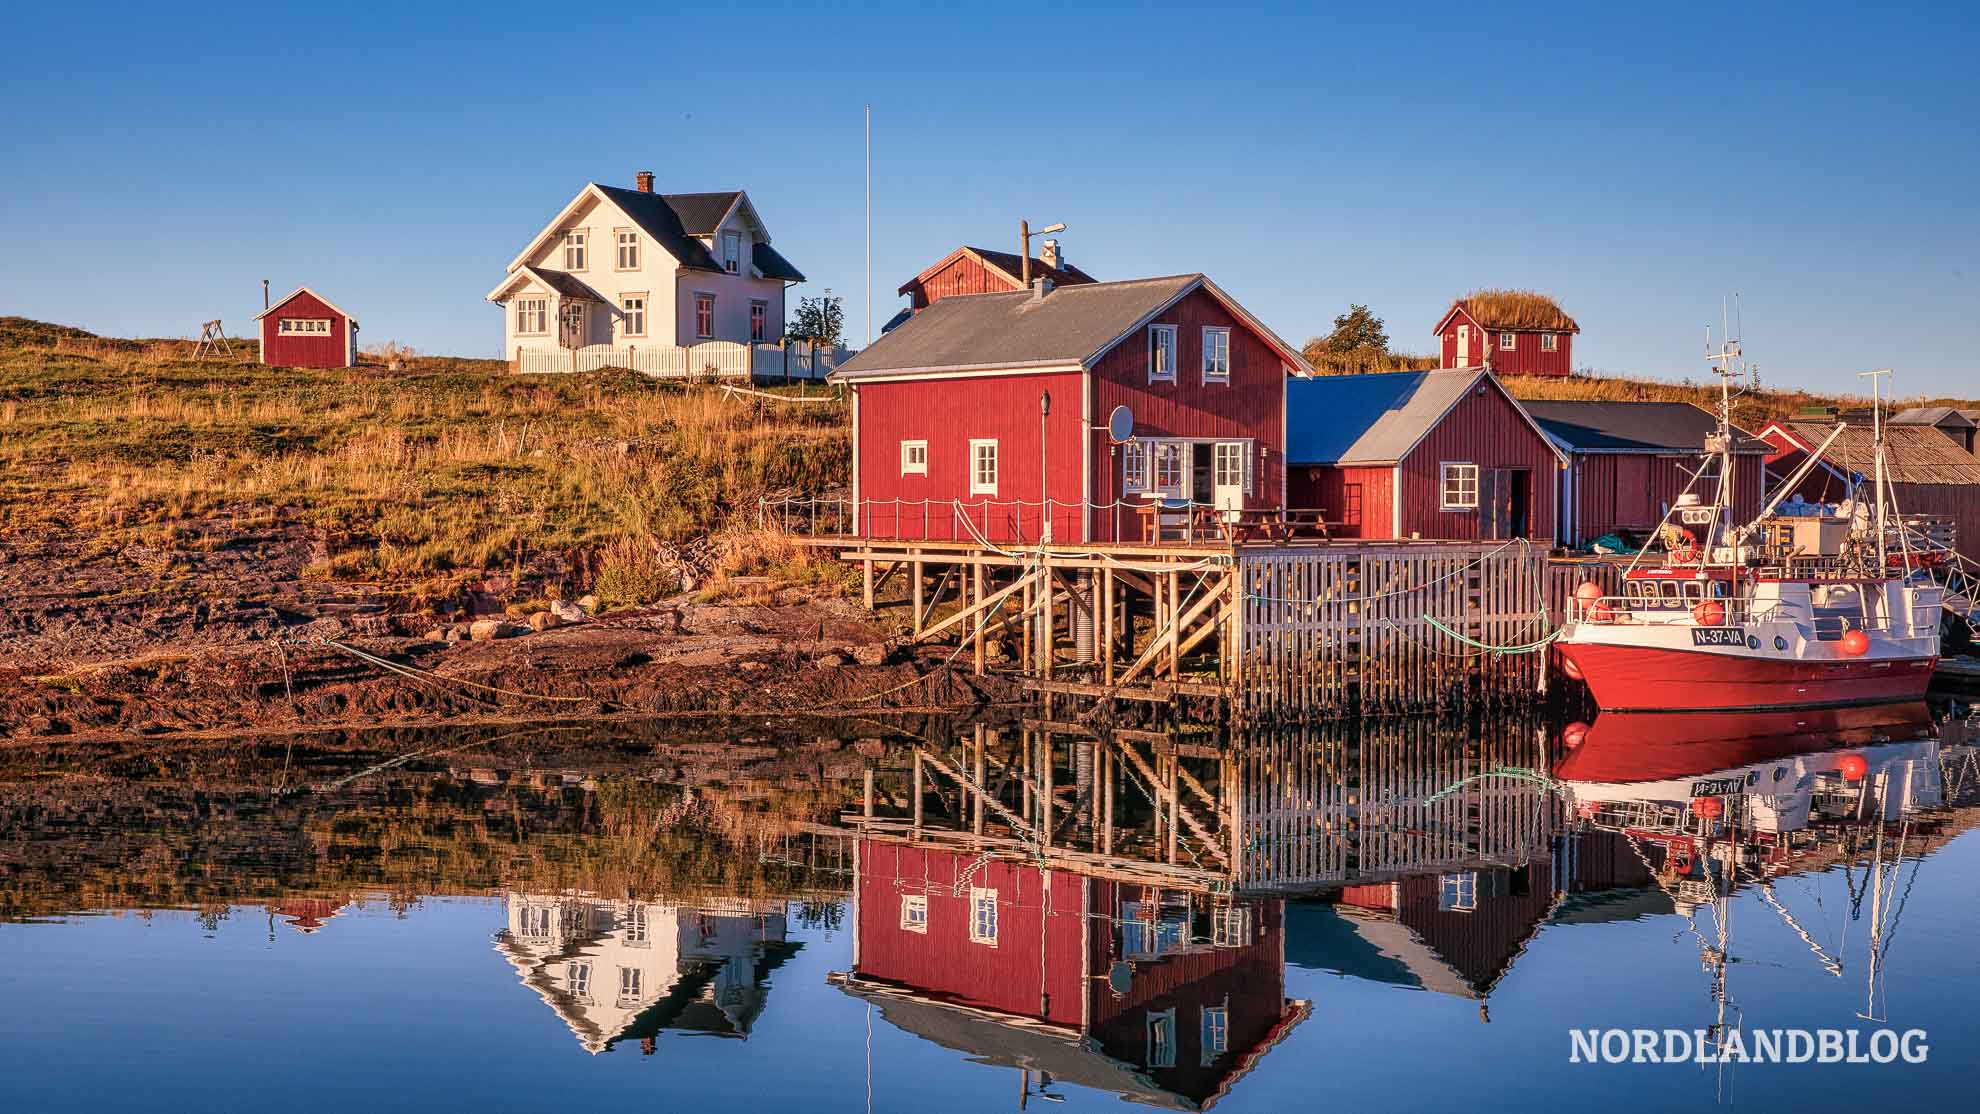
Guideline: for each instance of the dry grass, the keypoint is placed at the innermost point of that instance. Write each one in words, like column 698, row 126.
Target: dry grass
column 1517, row 309
column 442, row 466
column 1325, row 361
column 1752, row 409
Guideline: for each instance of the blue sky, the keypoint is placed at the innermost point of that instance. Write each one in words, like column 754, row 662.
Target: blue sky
column 1640, row 164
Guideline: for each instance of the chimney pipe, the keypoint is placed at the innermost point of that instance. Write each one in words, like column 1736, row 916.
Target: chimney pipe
column 1050, row 255
column 644, row 181
column 1040, row 287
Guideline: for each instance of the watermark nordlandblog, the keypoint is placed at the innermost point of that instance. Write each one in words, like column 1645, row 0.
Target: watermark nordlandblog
column 1747, row 1046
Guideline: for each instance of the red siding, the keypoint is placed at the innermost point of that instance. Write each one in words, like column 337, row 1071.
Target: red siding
column 1251, row 405
column 1491, row 431
column 305, row 351
column 1525, row 358
column 1040, row 936
column 1479, row 943
column 1357, row 502
column 949, row 413
column 962, row 275
column 1631, row 491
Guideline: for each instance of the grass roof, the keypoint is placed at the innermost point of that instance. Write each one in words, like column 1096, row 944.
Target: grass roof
column 1517, row 309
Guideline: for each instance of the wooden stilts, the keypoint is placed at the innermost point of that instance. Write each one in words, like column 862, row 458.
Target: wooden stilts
column 976, row 812
column 914, row 573
column 1047, row 634
column 1107, row 625
column 982, row 621
column 869, row 793
column 1045, row 780
column 917, row 793
column 866, row 582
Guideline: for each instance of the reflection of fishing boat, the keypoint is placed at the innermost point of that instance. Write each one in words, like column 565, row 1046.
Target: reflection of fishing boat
column 1780, row 612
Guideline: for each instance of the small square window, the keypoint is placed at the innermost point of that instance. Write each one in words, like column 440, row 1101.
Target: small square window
column 1460, row 488
column 1508, row 341
column 1458, row 892
column 914, row 913
column 982, row 916
column 914, row 458
column 1549, row 342
column 983, row 467
column 1161, row 353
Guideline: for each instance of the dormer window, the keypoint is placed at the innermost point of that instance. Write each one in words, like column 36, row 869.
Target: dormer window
column 1161, row 353
column 1549, row 342
column 1508, row 341
column 574, row 250
column 732, row 252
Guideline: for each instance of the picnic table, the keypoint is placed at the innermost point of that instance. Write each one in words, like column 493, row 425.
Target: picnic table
column 1181, row 520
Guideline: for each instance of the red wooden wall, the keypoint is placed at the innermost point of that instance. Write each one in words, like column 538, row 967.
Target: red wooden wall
column 1357, row 502
column 1040, row 936
column 1479, row 943
column 948, row 414
column 1631, row 491
column 305, row 351
column 1526, row 357
column 1959, row 502
column 962, row 275
column 1488, row 430
column 1252, row 404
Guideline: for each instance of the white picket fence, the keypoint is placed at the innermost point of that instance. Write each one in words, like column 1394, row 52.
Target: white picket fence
column 710, row 360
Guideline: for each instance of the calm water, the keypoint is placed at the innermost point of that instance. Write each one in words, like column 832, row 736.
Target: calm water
column 1371, row 916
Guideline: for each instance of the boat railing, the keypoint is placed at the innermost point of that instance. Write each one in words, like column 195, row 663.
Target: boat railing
column 1681, row 611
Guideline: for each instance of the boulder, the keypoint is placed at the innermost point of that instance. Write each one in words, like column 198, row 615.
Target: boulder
column 589, row 604
column 567, row 612
column 830, row 661
column 439, row 634
column 874, row 653
column 544, row 620
column 487, row 630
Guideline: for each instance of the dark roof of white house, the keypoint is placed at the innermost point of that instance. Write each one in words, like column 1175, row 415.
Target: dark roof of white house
column 674, row 226
column 1592, row 426
column 1067, row 325
column 773, row 264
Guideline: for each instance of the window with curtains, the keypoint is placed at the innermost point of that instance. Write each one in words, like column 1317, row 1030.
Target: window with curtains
column 1134, row 466
column 532, row 316
column 704, row 315
column 1161, row 1049
column 759, row 320
column 914, row 913
column 982, row 916
column 1169, row 467
column 1161, row 353
column 1216, row 355
column 1549, row 342
column 983, row 467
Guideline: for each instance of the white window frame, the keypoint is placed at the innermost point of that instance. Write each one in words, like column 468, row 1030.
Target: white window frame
column 1214, row 1032
column 577, row 978
column 1217, row 341
column 982, row 916
column 1508, row 341
column 732, row 249
column 1550, row 342
column 302, row 327
column 625, row 255
column 914, row 458
column 1160, row 1032
column 1458, row 892
column 1135, row 461
column 632, row 984
column 577, row 246
column 759, row 319
column 1161, row 452
column 1232, row 469
column 532, row 312
column 701, row 298
column 977, row 484
column 1161, row 353
column 914, row 913
column 1231, row 927
column 635, row 315
column 1464, row 474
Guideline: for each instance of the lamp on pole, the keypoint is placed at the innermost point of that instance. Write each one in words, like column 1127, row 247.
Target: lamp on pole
column 1024, row 244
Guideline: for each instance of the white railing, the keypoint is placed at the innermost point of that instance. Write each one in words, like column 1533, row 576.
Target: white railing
column 707, row 361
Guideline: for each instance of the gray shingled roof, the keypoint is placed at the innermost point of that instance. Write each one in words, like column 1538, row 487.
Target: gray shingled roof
column 658, row 218
column 1367, row 419
column 1072, row 324
column 1916, row 454
column 1624, row 427
column 701, row 213
column 1012, row 264
column 566, row 284
column 773, row 264
column 1932, row 415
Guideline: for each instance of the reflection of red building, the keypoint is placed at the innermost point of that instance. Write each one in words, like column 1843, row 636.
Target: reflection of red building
column 1162, row 996
column 1457, row 932
column 307, row 914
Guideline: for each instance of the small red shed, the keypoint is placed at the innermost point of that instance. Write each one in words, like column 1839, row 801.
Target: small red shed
column 969, row 270
column 986, row 418
column 1631, row 460
column 1420, row 454
column 1513, row 332
column 1927, row 473
column 306, row 330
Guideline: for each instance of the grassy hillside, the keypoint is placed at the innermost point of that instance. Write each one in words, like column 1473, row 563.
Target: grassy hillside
column 446, row 466
column 1750, row 410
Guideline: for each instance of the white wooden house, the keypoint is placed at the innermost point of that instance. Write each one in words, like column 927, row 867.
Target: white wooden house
column 669, row 284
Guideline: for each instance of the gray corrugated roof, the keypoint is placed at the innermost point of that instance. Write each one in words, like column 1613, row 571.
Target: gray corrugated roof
column 1916, row 454
column 1932, row 415
column 701, row 213
column 657, row 217
column 1367, row 419
column 1592, row 426
column 1069, row 325
column 773, row 264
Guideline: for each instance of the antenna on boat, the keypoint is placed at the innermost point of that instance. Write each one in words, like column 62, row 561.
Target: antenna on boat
column 1877, row 453
column 1727, row 363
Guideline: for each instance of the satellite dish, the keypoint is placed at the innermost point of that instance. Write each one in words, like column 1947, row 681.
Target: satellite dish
column 1120, row 425
column 1120, row 977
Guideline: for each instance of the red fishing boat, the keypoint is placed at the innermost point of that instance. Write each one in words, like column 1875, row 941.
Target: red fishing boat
column 1785, row 611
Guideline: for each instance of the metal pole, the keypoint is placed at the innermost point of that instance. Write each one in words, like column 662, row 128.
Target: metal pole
column 869, row 225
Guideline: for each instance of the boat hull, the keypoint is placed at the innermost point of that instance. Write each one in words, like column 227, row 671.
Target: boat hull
column 1655, row 679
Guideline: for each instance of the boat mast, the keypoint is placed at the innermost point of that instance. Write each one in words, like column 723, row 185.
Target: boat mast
column 1726, row 362
column 1877, row 455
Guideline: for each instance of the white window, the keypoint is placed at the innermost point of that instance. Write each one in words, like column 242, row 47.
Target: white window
column 632, row 982
column 914, row 458
column 759, row 320
column 636, row 925
column 574, row 253
column 1229, row 464
column 1232, row 927
column 532, row 316
column 1216, row 1033
column 1458, row 892
column 982, row 916
column 732, row 251
column 1216, row 355
column 704, row 315
column 1460, row 489
column 983, row 467
column 1507, row 341
column 1168, row 467
column 1162, row 1039
column 1161, row 353
column 628, row 257
column 303, row 327
column 578, row 977
column 1549, row 342
column 634, row 306
column 1134, row 466
column 914, row 913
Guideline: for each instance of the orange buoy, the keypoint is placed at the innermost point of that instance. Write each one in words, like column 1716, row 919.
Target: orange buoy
column 1711, row 613
column 1568, row 667
column 1853, row 767
column 1855, row 644
column 1710, row 808
column 1573, row 734
column 1587, row 592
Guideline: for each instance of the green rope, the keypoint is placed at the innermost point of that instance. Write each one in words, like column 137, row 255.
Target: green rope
column 1517, row 773
column 1526, row 648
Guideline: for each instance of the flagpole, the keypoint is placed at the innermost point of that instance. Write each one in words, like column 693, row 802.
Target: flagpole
column 869, row 224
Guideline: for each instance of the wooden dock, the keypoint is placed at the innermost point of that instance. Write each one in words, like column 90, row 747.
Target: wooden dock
column 1264, row 631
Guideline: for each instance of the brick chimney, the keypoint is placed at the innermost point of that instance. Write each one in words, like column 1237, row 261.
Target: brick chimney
column 643, row 181
column 1051, row 255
